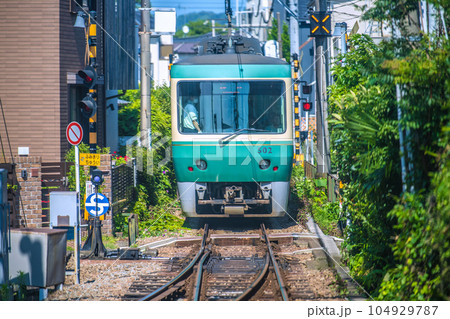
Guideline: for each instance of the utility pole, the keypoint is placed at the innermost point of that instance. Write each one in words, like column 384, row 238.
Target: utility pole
column 323, row 156
column 294, row 39
column 238, row 18
column 144, row 34
column 280, row 41
column 293, row 27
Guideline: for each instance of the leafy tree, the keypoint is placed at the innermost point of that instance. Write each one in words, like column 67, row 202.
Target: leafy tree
column 285, row 39
column 196, row 28
column 398, row 242
column 183, row 19
column 156, row 194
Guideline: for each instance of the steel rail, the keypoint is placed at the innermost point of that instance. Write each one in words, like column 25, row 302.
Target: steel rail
column 277, row 271
column 161, row 290
column 247, row 294
column 198, row 282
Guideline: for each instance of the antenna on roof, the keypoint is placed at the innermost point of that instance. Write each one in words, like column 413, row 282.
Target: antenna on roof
column 228, row 12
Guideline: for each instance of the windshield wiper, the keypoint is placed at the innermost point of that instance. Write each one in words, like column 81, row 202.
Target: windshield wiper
column 238, row 132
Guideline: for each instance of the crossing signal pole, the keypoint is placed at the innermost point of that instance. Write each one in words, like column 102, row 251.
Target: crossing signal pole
column 94, row 243
column 92, row 89
column 320, row 30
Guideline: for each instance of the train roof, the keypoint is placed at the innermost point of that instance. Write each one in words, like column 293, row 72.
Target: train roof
column 227, row 58
column 230, row 57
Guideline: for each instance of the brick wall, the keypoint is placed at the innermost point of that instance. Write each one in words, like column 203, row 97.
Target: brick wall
column 105, row 166
column 30, row 205
column 28, row 171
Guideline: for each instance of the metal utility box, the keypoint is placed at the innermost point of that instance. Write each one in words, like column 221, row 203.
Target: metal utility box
column 63, row 209
column 39, row 254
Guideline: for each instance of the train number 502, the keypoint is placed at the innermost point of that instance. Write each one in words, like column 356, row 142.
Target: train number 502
column 265, row 150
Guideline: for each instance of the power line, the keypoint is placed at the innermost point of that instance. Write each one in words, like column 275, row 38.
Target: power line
column 12, row 159
column 347, row 4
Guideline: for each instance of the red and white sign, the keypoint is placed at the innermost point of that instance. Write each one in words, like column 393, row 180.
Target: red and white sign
column 74, row 133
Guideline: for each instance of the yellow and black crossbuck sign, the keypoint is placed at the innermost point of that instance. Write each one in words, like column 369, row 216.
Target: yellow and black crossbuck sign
column 320, row 24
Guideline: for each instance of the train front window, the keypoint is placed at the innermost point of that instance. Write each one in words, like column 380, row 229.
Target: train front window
column 221, row 107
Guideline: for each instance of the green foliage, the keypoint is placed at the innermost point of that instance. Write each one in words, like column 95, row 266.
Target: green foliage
column 183, row 19
column 130, row 114
column 14, row 290
column 327, row 215
column 392, row 247
column 70, row 157
column 285, row 39
column 156, row 193
column 196, row 28
column 422, row 249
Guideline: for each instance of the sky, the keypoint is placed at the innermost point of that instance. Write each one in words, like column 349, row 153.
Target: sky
column 185, row 6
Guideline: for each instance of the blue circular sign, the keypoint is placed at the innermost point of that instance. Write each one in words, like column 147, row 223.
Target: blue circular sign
column 97, row 204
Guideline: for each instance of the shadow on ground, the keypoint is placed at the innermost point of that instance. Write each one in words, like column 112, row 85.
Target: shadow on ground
column 240, row 224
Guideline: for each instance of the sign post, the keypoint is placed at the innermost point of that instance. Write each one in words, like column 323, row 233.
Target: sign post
column 74, row 134
column 96, row 205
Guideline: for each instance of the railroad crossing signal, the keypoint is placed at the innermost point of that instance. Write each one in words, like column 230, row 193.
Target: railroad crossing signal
column 88, row 106
column 89, row 76
column 307, row 106
column 320, row 24
column 97, row 177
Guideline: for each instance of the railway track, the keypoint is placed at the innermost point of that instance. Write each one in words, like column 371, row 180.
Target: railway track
column 252, row 271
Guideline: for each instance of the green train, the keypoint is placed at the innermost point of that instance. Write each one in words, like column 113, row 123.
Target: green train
column 232, row 130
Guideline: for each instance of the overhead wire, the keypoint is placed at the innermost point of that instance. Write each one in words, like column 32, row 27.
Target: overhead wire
column 134, row 60
column 12, row 159
column 346, row 4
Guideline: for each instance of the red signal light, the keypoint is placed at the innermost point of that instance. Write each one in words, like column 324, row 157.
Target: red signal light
column 190, row 168
column 88, row 106
column 89, row 76
column 307, row 106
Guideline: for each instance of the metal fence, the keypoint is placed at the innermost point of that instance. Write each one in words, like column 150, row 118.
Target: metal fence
column 13, row 193
column 123, row 181
column 332, row 181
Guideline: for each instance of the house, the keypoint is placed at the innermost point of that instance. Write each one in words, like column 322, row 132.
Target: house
column 41, row 52
column 43, row 46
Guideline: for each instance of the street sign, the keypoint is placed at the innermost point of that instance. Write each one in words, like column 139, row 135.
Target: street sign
column 74, row 133
column 97, row 204
column 90, row 159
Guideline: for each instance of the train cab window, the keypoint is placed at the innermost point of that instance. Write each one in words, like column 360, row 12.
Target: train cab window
column 218, row 107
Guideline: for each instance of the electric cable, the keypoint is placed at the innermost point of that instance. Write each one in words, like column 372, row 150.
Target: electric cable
column 270, row 14
column 12, row 159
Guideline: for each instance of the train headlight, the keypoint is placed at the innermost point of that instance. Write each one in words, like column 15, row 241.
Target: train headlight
column 201, row 165
column 264, row 164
